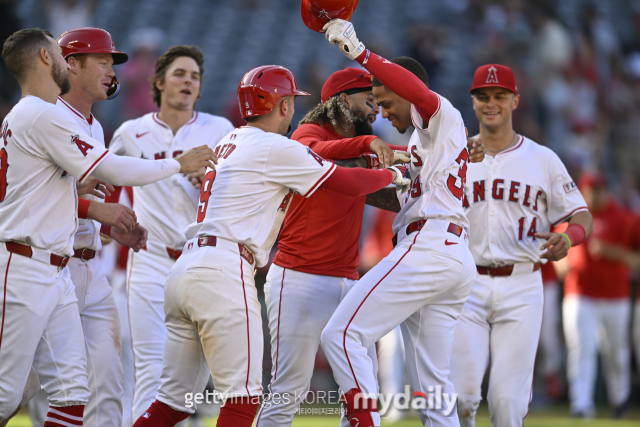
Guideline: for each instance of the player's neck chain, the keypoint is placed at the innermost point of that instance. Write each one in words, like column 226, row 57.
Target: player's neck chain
column 511, row 144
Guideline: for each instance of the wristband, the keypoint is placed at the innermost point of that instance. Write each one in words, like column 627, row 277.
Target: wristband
column 372, row 161
column 568, row 239
column 105, row 229
column 83, row 208
column 575, row 234
column 366, row 57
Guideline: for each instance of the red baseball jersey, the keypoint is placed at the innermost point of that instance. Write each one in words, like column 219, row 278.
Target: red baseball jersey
column 602, row 278
column 321, row 234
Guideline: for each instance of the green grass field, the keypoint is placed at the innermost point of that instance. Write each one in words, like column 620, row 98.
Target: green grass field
column 554, row 417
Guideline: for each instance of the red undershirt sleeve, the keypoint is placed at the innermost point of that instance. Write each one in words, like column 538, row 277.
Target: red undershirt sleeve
column 314, row 137
column 402, row 82
column 83, row 208
column 358, row 181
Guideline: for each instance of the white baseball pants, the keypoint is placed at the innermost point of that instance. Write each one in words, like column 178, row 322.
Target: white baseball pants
column 423, row 283
column 550, row 343
column 39, row 322
column 500, row 322
column 147, row 274
column 101, row 327
column 299, row 305
column 590, row 325
column 213, row 325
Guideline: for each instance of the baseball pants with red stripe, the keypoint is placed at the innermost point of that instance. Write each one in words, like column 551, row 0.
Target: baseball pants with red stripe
column 424, row 283
column 39, row 321
column 213, row 326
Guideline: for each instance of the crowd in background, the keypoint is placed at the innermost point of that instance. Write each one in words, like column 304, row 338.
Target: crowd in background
column 576, row 62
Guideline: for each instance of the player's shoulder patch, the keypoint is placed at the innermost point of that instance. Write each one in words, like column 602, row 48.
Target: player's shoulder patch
column 570, row 187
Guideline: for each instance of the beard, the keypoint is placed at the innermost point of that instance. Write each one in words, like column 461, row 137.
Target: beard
column 361, row 123
column 61, row 78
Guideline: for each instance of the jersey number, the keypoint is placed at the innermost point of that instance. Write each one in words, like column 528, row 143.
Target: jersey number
column 462, row 159
column 205, row 193
column 533, row 229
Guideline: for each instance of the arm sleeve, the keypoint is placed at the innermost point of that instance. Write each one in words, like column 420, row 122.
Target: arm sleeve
column 358, row 181
column 121, row 170
column 563, row 197
column 314, row 137
column 403, row 83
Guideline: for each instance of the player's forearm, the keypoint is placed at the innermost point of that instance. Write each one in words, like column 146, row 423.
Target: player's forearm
column 121, row 170
column 402, row 82
column 585, row 220
column 358, row 181
column 384, row 199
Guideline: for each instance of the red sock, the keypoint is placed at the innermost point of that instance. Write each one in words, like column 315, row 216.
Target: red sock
column 64, row 416
column 160, row 415
column 238, row 412
column 360, row 410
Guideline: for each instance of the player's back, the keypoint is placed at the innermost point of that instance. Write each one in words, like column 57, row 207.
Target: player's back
column 438, row 167
column 246, row 198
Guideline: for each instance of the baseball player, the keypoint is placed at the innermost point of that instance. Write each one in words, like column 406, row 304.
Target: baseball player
column 512, row 198
column 211, row 303
column 318, row 253
column 42, row 155
column 424, row 282
column 165, row 208
column 596, row 310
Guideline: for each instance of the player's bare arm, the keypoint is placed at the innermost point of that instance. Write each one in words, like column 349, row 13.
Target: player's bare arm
column 557, row 245
column 113, row 214
column 135, row 240
column 384, row 199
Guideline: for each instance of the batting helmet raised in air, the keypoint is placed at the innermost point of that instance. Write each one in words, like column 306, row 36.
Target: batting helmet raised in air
column 316, row 13
column 93, row 40
column 261, row 88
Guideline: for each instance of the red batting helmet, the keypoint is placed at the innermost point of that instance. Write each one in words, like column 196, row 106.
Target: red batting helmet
column 316, row 13
column 261, row 88
column 93, row 40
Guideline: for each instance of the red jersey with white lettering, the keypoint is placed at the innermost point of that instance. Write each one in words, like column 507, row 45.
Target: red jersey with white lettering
column 321, row 234
column 521, row 191
column 246, row 198
column 88, row 234
column 42, row 151
column 439, row 156
column 167, row 207
column 600, row 277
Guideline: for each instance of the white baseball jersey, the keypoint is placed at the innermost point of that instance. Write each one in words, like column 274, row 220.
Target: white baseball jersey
column 510, row 197
column 251, row 188
column 88, row 234
column 42, row 152
column 438, row 167
column 167, row 207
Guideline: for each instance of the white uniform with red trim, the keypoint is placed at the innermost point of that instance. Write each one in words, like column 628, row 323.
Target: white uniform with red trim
column 510, row 197
column 41, row 154
column 165, row 208
column 423, row 283
column 211, row 303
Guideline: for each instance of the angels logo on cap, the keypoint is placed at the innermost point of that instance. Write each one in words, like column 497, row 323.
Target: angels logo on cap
column 493, row 75
column 324, row 15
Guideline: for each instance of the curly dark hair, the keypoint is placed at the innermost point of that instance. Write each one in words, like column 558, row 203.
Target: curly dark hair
column 334, row 111
column 167, row 58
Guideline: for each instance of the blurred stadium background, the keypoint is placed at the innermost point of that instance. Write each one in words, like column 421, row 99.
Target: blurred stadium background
column 577, row 63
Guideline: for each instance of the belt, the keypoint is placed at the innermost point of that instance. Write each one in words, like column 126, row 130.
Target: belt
column 502, row 271
column 26, row 251
column 213, row 240
column 174, row 254
column 417, row 225
column 84, row 254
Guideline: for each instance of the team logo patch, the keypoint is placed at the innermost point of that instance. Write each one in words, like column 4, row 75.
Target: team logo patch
column 323, row 14
column 233, row 136
column 569, row 187
column 146, row 415
column 83, row 146
column 493, row 75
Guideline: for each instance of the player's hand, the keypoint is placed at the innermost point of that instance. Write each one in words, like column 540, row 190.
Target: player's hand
column 196, row 158
column 195, row 178
column 113, row 214
column 98, row 188
column 399, row 180
column 382, row 150
column 134, row 240
column 401, row 157
column 342, row 33
column 476, row 149
column 556, row 246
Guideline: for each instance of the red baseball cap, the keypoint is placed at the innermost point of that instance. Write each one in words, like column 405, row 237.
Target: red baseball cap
column 494, row 75
column 591, row 179
column 343, row 80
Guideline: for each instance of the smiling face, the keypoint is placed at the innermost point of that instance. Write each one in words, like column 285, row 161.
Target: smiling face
column 494, row 106
column 364, row 108
column 181, row 86
column 92, row 74
column 393, row 108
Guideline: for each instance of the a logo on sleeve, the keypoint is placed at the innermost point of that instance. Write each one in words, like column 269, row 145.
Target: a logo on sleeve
column 83, row 146
column 493, row 75
column 569, row 187
column 315, row 156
